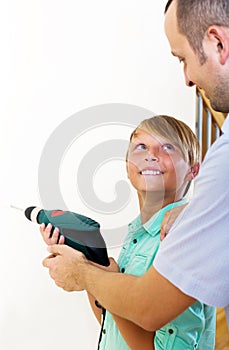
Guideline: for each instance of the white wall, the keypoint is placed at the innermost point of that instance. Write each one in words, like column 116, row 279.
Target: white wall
column 58, row 58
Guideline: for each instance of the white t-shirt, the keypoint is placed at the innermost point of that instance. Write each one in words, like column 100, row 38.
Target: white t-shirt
column 195, row 254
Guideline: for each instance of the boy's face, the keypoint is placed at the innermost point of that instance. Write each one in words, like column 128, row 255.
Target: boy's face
column 156, row 165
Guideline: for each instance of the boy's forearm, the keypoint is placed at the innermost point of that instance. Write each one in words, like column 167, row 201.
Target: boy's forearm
column 135, row 337
column 96, row 311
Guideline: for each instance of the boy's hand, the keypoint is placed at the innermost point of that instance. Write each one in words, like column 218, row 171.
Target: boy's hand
column 169, row 219
column 49, row 237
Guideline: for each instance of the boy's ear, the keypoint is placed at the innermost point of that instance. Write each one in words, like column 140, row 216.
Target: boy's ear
column 127, row 169
column 194, row 171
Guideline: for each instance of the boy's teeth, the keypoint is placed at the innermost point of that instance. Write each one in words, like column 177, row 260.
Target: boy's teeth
column 150, row 172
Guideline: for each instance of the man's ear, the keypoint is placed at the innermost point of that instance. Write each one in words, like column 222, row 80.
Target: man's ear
column 220, row 37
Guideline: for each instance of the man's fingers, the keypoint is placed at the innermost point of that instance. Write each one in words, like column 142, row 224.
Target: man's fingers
column 65, row 251
column 165, row 226
column 57, row 249
column 164, row 231
column 46, row 262
column 169, row 219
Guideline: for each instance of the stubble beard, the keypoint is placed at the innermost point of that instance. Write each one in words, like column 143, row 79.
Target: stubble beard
column 220, row 101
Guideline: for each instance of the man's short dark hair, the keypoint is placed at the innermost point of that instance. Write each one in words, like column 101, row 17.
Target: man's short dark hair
column 194, row 17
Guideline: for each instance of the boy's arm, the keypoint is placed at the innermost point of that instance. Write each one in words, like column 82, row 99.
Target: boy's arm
column 95, row 306
column 97, row 311
column 150, row 301
column 135, row 336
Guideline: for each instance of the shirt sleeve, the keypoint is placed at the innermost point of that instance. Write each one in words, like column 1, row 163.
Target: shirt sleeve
column 195, row 255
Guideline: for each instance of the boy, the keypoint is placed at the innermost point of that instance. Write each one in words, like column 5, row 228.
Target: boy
column 162, row 160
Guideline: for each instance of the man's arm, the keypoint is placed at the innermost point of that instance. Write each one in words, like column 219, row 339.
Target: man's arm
column 149, row 301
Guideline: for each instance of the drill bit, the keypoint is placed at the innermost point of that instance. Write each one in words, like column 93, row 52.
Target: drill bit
column 15, row 207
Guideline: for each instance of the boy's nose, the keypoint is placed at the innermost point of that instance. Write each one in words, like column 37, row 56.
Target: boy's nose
column 151, row 157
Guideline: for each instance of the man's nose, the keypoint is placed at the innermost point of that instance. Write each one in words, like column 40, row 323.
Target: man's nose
column 188, row 82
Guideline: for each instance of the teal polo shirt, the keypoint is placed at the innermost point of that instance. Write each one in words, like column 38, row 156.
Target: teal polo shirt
column 193, row 329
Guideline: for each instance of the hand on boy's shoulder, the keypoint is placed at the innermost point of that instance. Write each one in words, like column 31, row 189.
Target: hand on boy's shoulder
column 169, row 219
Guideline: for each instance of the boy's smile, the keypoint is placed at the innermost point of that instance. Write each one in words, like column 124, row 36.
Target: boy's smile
column 156, row 165
column 151, row 171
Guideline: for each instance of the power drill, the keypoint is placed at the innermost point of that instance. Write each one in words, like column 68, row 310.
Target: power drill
column 80, row 232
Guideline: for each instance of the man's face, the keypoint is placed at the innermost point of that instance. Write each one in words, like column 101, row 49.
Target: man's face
column 209, row 76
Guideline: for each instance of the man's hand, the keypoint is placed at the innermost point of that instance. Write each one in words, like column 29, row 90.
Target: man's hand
column 66, row 265
column 169, row 219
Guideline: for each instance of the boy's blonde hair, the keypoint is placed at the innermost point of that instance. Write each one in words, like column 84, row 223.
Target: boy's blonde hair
column 176, row 131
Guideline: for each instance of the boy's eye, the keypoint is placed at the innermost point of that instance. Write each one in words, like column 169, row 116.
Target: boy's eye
column 141, row 146
column 168, row 147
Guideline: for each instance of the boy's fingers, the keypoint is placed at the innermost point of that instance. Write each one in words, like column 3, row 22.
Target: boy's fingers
column 61, row 240
column 42, row 227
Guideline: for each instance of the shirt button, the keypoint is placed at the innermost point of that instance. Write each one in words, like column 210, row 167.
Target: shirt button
column 104, row 331
column 135, row 241
column 170, row 331
column 123, row 269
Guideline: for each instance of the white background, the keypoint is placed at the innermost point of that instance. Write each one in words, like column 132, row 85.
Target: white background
column 57, row 58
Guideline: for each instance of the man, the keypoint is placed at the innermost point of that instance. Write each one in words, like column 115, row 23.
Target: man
column 198, row 33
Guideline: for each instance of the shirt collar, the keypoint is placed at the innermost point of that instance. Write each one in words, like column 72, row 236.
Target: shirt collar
column 153, row 225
